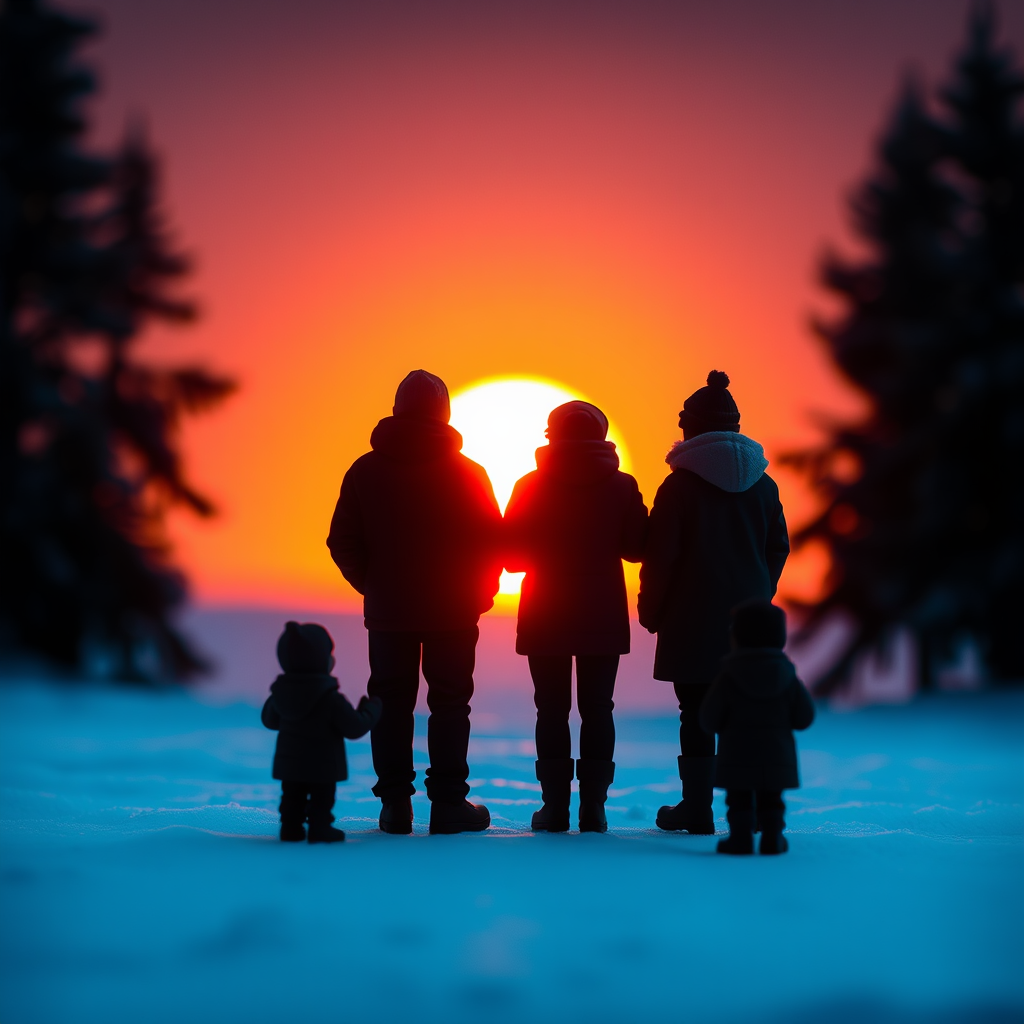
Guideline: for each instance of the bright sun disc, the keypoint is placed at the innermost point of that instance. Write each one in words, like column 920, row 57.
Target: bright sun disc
column 502, row 422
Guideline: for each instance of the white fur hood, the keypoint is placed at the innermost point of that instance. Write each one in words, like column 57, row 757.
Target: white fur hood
column 730, row 461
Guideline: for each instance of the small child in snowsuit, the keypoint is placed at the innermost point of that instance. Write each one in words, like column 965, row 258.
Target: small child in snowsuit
column 312, row 718
column 754, row 705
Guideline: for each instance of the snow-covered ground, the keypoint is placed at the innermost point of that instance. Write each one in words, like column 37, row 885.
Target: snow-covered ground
column 141, row 881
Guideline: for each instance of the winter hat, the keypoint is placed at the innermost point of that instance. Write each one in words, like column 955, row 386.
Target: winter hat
column 305, row 648
column 712, row 407
column 577, row 421
column 759, row 623
column 423, row 396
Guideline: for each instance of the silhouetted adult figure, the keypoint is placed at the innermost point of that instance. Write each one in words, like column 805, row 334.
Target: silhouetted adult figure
column 569, row 524
column 717, row 537
column 415, row 531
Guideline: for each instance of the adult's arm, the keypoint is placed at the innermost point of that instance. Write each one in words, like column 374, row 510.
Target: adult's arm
column 490, row 530
column 270, row 716
column 634, row 532
column 660, row 557
column 776, row 548
column 514, row 546
column 347, row 539
column 801, row 707
column 714, row 711
column 354, row 722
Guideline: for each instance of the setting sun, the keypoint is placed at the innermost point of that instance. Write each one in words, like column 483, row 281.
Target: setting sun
column 502, row 422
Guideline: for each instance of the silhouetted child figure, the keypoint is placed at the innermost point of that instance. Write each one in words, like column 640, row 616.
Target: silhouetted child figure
column 754, row 705
column 312, row 718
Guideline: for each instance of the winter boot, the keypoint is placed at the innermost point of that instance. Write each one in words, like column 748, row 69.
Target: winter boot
column 555, row 778
column 325, row 834
column 693, row 813
column 772, row 824
column 595, row 778
column 448, row 817
column 396, row 816
column 741, row 831
column 293, row 832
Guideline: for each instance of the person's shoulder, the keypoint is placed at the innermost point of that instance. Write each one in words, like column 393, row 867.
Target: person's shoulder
column 363, row 463
column 766, row 486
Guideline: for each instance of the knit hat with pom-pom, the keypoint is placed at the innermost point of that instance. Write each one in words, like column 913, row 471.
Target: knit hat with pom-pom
column 423, row 396
column 305, row 648
column 711, row 407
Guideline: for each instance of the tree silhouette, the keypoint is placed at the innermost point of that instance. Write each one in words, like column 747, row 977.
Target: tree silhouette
column 88, row 457
column 922, row 500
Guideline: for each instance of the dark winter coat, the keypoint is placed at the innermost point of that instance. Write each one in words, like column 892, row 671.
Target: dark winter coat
column 569, row 524
column 416, row 529
column 312, row 718
column 716, row 537
column 754, row 705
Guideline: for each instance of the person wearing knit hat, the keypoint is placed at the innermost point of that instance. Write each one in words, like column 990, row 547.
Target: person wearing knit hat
column 416, row 531
column 717, row 537
column 569, row 524
column 312, row 719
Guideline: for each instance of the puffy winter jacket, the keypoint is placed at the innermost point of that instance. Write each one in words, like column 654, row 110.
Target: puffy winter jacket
column 569, row 524
column 716, row 537
column 754, row 705
column 416, row 529
column 312, row 719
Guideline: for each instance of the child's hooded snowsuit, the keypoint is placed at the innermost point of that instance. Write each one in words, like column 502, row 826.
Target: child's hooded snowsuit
column 311, row 715
column 754, row 705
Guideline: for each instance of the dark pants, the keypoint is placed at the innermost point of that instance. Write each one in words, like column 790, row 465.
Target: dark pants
column 302, row 801
column 761, row 801
column 552, row 693
column 693, row 740
column 448, row 660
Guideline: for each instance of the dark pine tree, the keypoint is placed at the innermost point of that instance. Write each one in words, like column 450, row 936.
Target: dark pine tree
column 88, row 455
column 922, row 500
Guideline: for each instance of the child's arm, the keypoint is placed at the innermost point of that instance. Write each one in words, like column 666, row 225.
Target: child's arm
column 714, row 712
column 355, row 722
column 801, row 707
column 269, row 716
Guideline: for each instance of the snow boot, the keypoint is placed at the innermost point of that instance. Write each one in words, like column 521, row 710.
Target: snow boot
column 449, row 817
column 772, row 839
column 293, row 832
column 693, row 813
column 741, row 831
column 325, row 834
column 595, row 778
column 396, row 816
column 555, row 778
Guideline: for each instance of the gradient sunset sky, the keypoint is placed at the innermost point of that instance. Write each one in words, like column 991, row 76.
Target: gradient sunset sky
column 617, row 196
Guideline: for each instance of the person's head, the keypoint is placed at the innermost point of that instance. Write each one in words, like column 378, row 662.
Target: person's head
column 305, row 647
column 422, row 396
column 710, row 408
column 577, row 421
column 758, row 623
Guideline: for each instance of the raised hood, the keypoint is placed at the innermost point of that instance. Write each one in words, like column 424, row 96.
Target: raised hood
column 732, row 462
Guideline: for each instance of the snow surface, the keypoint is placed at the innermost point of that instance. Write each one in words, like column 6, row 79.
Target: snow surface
column 141, row 880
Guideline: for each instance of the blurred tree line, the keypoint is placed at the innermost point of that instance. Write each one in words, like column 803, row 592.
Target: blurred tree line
column 89, row 462
column 922, row 509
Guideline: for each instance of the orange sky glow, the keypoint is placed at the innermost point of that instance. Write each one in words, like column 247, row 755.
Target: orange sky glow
column 614, row 197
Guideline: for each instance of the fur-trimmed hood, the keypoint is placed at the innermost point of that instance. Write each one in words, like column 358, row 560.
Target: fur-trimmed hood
column 732, row 462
